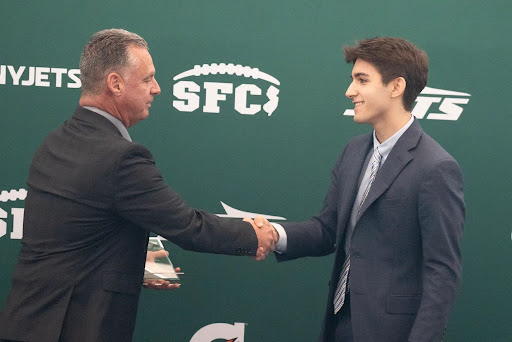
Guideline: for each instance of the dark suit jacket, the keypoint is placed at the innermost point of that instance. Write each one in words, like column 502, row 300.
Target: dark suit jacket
column 405, row 249
column 92, row 199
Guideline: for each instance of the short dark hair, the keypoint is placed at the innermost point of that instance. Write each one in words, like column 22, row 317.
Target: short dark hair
column 106, row 51
column 394, row 57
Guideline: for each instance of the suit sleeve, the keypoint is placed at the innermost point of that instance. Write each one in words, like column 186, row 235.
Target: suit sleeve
column 441, row 212
column 142, row 197
column 316, row 236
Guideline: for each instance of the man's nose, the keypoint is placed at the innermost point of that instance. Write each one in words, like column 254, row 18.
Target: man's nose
column 156, row 88
column 350, row 91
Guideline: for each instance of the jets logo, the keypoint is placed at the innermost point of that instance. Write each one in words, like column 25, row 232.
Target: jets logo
column 248, row 96
column 436, row 104
column 39, row 76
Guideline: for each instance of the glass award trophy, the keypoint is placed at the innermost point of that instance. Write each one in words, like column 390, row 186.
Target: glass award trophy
column 161, row 267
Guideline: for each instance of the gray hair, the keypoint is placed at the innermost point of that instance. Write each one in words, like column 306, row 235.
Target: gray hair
column 106, row 51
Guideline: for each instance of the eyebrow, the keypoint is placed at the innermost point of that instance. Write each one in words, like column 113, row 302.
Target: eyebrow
column 150, row 76
column 359, row 74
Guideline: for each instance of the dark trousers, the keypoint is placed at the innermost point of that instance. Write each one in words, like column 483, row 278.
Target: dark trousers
column 343, row 322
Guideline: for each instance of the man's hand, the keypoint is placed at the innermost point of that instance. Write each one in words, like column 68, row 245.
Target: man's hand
column 159, row 284
column 267, row 236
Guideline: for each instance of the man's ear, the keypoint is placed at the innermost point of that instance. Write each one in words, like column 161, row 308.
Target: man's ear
column 115, row 83
column 398, row 84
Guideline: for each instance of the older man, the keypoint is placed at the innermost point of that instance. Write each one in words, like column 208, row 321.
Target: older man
column 93, row 198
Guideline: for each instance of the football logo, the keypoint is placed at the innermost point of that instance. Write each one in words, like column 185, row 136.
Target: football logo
column 190, row 94
column 16, row 213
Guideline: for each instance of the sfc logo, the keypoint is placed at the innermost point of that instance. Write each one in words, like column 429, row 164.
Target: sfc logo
column 220, row 332
column 246, row 97
column 449, row 104
column 16, row 230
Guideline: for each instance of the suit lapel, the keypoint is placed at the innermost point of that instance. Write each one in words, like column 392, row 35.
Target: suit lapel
column 399, row 157
column 351, row 185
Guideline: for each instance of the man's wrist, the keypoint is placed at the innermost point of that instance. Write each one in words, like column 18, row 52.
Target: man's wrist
column 282, row 242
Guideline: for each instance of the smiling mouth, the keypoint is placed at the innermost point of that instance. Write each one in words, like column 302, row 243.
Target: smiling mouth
column 357, row 104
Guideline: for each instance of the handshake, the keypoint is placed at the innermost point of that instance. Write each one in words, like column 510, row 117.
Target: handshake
column 267, row 236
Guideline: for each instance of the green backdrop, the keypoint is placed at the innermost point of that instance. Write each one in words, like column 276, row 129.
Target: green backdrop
column 278, row 164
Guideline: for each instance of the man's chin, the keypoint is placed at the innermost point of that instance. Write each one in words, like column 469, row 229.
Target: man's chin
column 359, row 120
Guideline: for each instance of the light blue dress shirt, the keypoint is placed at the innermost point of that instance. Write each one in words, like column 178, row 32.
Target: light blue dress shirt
column 120, row 126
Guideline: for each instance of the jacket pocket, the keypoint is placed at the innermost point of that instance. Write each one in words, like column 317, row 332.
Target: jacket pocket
column 402, row 304
column 122, row 282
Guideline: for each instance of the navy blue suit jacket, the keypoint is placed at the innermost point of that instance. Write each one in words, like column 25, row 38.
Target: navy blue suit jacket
column 405, row 250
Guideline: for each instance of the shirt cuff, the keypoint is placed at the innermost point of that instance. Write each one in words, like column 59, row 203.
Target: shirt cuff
column 282, row 244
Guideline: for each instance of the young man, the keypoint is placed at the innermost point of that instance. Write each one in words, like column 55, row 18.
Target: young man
column 393, row 214
column 93, row 198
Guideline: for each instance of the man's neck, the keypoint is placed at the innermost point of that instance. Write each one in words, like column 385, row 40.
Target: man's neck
column 386, row 128
column 104, row 104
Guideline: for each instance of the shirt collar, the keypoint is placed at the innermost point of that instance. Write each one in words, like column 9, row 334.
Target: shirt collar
column 386, row 147
column 120, row 126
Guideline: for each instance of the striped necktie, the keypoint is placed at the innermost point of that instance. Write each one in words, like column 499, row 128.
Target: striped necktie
column 341, row 289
